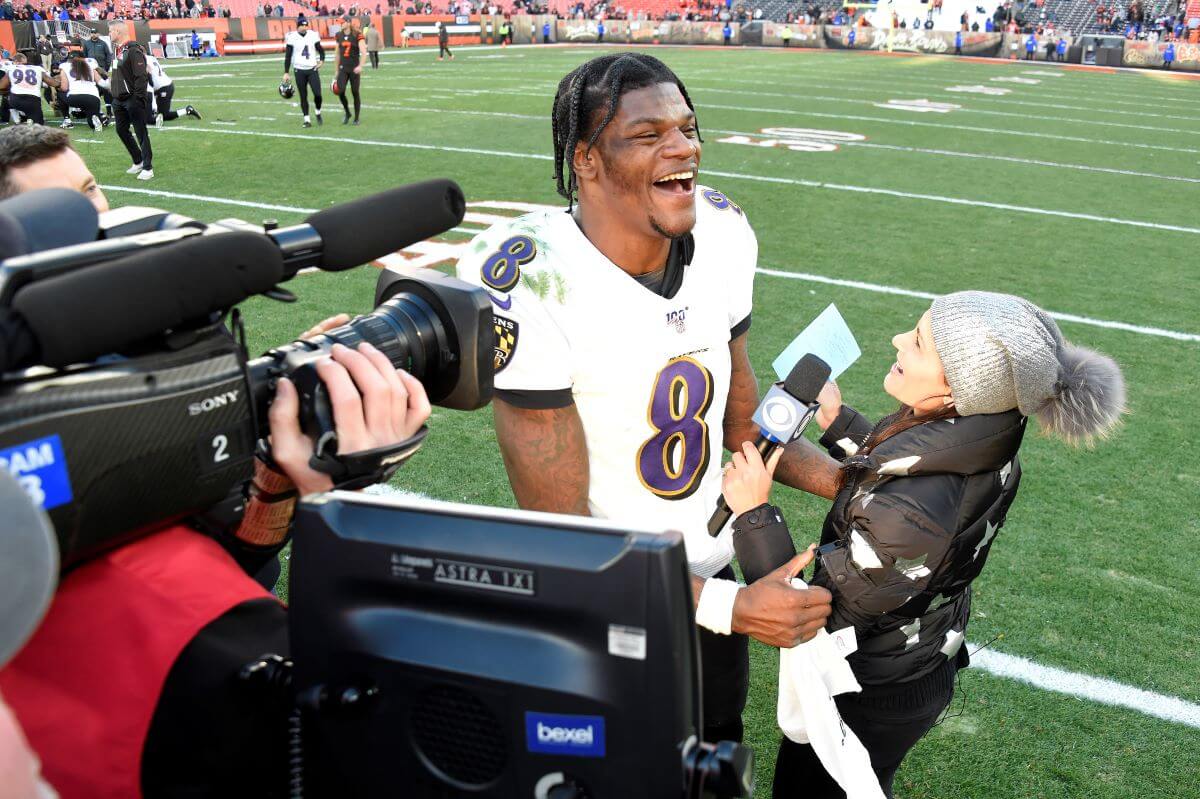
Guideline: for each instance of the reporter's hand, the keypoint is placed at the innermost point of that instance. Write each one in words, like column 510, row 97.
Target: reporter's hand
column 746, row 482
column 777, row 614
column 831, row 405
column 374, row 405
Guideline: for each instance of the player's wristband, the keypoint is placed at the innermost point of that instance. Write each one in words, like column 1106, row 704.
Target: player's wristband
column 714, row 611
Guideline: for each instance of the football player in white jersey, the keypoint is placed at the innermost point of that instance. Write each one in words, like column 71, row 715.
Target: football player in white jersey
column 163, row 89
column 80, row 93
column 621, row 362
column 103, row 83
column 23, row 82
column 304, row 52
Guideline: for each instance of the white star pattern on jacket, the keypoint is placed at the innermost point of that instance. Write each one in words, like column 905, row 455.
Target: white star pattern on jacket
column 988, row 534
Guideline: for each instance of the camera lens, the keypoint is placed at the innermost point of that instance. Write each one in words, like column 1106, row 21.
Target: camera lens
column 406, row 329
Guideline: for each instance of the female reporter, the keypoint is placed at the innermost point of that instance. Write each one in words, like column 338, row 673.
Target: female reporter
column 922, row 496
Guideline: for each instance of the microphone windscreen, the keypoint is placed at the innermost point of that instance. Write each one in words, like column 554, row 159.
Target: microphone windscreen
column 103, row 308
column 12, row 238
column 807, row 378
column 28, row 566
column 52, row 218
column 360, row 231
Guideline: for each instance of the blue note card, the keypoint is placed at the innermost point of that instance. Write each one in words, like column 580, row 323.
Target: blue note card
column 829, row 338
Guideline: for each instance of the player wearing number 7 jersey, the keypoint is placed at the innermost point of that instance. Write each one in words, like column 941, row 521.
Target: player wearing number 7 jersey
column 621, row 362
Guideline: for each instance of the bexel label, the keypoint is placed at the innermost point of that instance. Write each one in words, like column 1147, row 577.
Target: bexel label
column 41, row 469
column 554, row 734
column 483, row 575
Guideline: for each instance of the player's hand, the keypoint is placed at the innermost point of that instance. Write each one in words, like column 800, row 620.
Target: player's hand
column 831, row 405
column 374, row 405
column 746, row 482
column 777, row 614
column 358, row 70
column 287, row 78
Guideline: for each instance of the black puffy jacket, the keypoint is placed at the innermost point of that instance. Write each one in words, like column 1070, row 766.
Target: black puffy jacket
column 908, row 533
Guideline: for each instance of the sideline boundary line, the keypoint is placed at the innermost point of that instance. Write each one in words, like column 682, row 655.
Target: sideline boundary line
column 924, row 295
column 812, row 184
column 1014, row 667
column 782, row 273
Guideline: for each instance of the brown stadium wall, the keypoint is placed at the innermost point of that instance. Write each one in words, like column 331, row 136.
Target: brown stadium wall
column 246, row 35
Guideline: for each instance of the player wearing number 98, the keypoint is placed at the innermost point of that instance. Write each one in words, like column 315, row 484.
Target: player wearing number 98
column 23, row 82
column 621, row 361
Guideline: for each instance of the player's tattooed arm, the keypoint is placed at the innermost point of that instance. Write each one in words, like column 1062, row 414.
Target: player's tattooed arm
column 803, row 465
column 545, row 454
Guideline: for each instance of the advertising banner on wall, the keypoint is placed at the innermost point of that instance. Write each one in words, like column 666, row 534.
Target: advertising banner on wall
column 1150, row 54
column 801, row 35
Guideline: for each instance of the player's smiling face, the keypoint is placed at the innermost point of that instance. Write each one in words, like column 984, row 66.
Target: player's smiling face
column 649, row 157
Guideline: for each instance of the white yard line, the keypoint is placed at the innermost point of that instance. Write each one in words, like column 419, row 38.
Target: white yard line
column 1014, row 667
column 925, row 295
column 204, row 198
column 1084, row 686
column 812, row 184
column 855, row 284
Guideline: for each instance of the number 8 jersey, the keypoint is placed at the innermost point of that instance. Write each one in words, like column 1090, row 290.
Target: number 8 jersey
column 649, row 375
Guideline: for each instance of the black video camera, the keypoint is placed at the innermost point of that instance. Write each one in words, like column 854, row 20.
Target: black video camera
column 444, row 650
column 131, row 405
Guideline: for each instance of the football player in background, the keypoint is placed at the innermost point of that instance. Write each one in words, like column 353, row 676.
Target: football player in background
column 621, row 359
column 78, row 91
column 163, row 88
column 23, row 82
column 351, row 52
column 303, row 51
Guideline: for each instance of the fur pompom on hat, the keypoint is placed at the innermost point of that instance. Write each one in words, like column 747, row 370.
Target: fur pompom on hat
column 1001, row 352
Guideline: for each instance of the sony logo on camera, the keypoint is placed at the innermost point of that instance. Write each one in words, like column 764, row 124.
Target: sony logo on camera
column 212, row 403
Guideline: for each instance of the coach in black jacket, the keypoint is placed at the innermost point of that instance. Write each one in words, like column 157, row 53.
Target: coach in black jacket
column 131, row 102
column 922, row 496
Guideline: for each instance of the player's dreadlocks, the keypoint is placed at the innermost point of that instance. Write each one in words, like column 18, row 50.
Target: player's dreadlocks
column 592, row 86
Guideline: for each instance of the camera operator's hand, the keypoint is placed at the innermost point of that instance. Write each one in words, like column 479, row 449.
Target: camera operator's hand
column 777, row 614
column 325, row 325
column 374, row 405
column 831, row 405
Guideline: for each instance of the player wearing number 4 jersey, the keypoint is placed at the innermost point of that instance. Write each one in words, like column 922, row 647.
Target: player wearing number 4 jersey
column 304, row 52
column 621, row 362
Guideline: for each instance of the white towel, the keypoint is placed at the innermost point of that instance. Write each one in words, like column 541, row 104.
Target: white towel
column 810, row 676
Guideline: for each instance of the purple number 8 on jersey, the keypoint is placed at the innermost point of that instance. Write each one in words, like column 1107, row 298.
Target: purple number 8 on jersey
column 671, row 462
column 502, row 269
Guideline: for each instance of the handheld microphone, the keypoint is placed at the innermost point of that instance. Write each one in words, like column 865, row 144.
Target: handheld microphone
column 781, row 417
column 28, row 566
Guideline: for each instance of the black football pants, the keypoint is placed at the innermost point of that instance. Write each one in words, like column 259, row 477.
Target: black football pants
column 162, row 99
column 724, row 679
column 348, row 79
column 134, row 112
column 304, row 79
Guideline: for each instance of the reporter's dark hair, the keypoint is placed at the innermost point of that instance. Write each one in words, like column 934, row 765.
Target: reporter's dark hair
column 81, row 70
column 24, row 144
column 898, row 422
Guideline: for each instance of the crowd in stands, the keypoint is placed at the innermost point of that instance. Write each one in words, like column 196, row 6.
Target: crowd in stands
column 79, row 11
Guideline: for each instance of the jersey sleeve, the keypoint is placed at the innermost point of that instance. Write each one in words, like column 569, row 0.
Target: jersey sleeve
column 532, row 352
column 741, row 254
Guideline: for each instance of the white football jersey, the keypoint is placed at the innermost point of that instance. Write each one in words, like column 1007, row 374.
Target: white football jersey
column 158, row 77
column 75, row 86
column 26, row 79
column 103, row 83
column 649, row 375
column 304, row 49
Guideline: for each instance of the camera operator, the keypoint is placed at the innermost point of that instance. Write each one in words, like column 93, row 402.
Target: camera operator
column 158, row 630
column 35, row 157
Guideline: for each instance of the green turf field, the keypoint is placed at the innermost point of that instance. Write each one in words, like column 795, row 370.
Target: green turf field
column 1079, row 191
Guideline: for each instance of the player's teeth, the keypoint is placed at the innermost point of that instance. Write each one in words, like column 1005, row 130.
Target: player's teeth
column 675, row 176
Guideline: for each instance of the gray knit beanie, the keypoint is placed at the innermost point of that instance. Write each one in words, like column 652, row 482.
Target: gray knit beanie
column 1001, row 352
